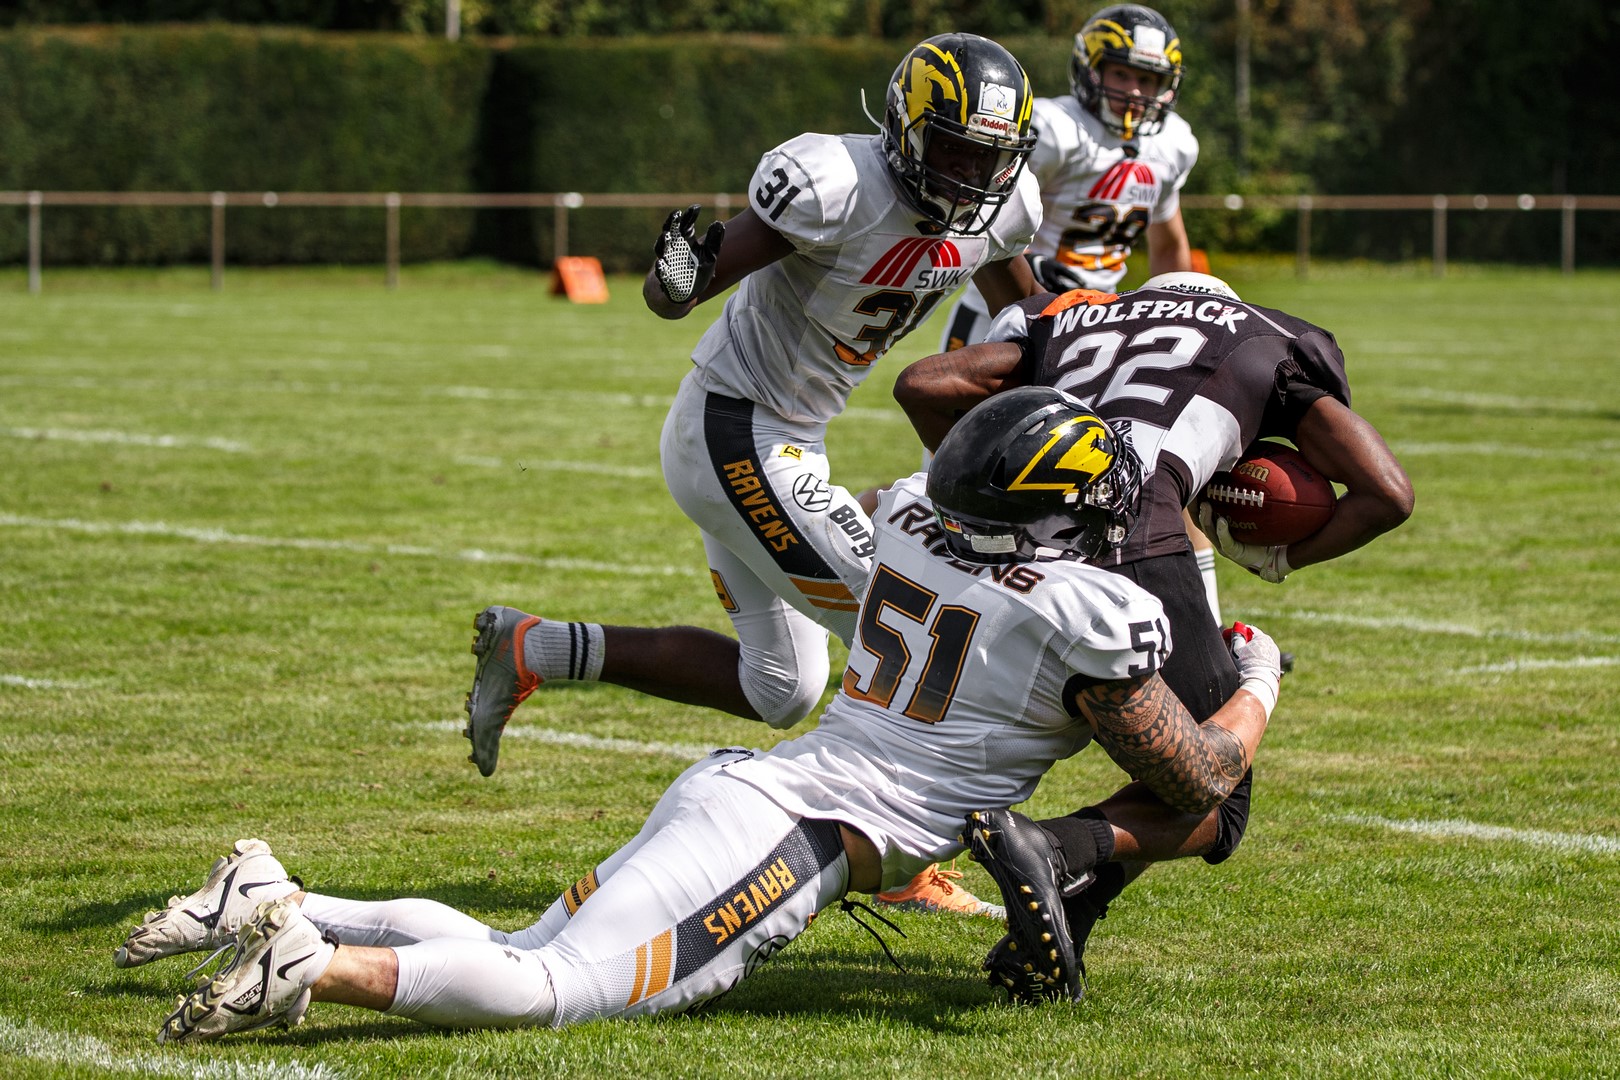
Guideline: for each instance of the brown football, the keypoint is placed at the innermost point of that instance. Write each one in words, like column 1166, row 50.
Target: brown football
column 1271, row 496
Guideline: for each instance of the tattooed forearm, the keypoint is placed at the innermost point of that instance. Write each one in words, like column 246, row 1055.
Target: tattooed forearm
column 1150, row 734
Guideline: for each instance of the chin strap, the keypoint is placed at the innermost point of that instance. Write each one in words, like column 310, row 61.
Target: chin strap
column 865, row 109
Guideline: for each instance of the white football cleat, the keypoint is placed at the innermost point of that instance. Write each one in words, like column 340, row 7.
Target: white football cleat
column 211, row 916
column 279, row 954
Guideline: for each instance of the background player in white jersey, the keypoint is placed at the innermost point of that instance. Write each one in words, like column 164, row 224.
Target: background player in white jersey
column 988, row 647
column 1111, row 159
column 848, row 243
column 1197, row 376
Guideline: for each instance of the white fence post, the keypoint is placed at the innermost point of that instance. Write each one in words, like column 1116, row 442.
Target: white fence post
column 35, row 200
column 1438, row 236
column 216, row 240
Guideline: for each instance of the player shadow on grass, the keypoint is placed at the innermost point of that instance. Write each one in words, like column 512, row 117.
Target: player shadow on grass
column 938, row 994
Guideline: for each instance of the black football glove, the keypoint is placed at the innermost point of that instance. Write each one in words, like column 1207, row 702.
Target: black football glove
column 1054, row 275
column 685, row 267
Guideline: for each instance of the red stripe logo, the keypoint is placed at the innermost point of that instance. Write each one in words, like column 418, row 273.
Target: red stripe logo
column 896, row 265
column 1124, row 174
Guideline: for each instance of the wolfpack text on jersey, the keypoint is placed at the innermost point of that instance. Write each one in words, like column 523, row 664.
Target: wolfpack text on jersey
column 1198, row 378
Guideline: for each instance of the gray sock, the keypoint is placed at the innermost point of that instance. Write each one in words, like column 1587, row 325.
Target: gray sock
column 564, row 650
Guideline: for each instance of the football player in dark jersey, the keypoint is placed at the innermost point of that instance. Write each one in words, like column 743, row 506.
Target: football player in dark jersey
column 1197, row 375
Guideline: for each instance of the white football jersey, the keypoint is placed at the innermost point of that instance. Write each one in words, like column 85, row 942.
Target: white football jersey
column 1096, row 198
column 800, row 334
column 958, row 691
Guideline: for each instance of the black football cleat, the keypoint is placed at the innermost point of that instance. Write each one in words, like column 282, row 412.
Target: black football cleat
column 1025, row 864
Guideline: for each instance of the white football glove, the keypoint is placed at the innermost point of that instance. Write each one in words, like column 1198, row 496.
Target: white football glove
column 1259, row 662
column 1268, row 563
column 686, row 266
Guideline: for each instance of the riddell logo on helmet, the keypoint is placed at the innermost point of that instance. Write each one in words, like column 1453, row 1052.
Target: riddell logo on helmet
column 996, row 127
column 895, row 266
column 1148, row 45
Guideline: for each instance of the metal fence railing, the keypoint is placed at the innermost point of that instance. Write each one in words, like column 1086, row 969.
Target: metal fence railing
column 562, row 204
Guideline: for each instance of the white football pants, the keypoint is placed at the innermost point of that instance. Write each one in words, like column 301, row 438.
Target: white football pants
column 718, row 879
column 787, row 549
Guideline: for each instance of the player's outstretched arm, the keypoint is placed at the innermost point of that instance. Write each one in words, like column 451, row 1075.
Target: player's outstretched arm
column 687, row 271
column 1349, row 450
column 1150, row 734
column 936, row 390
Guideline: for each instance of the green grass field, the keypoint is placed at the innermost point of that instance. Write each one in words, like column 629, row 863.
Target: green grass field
column 243, row 536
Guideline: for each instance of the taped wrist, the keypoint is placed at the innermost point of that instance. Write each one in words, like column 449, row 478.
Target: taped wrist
column 1263, row 687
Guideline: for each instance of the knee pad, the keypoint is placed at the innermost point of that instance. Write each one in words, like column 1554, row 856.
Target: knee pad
column 1232, row 818
column 783, row 699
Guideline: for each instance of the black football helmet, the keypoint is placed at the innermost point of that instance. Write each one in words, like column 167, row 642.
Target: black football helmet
column 1032, row 474
column 1137, row 37
column 965, row 88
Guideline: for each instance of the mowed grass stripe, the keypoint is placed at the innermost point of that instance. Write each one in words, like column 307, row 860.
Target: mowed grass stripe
column 225, row 536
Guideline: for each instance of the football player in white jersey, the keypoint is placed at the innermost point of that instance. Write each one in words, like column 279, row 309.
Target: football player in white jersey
column 1111, row 159
column 988, row 647
column 1196, row 375
column 848, row 243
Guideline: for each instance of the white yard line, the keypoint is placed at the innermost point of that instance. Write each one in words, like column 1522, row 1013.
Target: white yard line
column 1471, row 830
column 84, row 1052
column 221, row 536
column 1530, row 664
column 593, row 398
column 42, row 684
column 126, row 438
column 1600, row 451
column 1505, row 402
column 578, row 740
column 1435, row 626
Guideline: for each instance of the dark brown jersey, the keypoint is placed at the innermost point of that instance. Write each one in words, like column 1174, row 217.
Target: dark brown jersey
column 1198, row 378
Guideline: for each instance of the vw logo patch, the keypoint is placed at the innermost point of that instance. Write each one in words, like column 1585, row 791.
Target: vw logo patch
column 812, row 493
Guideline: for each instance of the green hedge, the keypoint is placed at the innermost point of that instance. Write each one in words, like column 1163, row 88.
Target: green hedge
column 231, row 109
column 239, row 109
column 689, row 114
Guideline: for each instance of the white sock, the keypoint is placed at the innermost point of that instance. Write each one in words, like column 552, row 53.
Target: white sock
column 564, row 650
column 1206, row 570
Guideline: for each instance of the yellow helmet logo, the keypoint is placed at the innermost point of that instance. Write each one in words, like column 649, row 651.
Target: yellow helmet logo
column 931, row 81
column 1075, row 454
column 1107, row 34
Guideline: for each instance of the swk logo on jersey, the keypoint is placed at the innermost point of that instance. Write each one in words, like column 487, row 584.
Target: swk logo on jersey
column 896, row 267
column 1129, row 181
